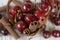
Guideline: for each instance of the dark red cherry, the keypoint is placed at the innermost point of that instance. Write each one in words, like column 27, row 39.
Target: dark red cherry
column 26, row 7
column 3, row 31
column 38, row 14
column 20, row 25
column 57, row 1
column 29, row 18
column 42, row 7
column 14, row 10
column 56, row 33
column 20, row 17
column 46, row 34
column 52, row 15
column 57, row 21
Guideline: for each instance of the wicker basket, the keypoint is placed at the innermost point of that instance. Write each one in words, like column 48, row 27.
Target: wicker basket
column 41, row 25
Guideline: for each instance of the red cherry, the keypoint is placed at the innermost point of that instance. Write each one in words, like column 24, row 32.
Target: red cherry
column 46, row 34
column 57, row 1
column 47, row 1
column 26, row 7
column 42, row 7
column 4, row 31
column 13, row 10
column 20, row 17
column 56, row 33
column 57, row 21
column 20, row 26
column 53, row 15
column 29, row 18
column 38, row 14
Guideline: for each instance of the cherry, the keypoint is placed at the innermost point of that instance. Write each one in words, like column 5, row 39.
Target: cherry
column 29, row 18
column 56, row 33
column 20, row 17
column 3, row 31
column 26, row 7
column 57, row 21
column 57, row 1
column 14, row 10
column 46, row 34
column 52, row 15
column 47, row 1
column 42, row 7
column 20, row 25
column 38, row 14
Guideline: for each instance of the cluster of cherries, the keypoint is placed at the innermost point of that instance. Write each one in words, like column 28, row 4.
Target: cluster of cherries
column 54, row 33
column 27, row 13
column 55, row 19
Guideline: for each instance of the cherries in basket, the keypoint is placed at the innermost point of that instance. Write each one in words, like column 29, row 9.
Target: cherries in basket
column 28, row 12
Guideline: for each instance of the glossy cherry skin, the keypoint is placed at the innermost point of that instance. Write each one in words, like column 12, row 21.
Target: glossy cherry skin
column 38, row 14
column 26, row 7
column 52, row 15
column 57, row 21
column 3, row 31
column 42, row 7
column 57, row 2
column 20, row 17
column 13, row 10
column 29, row 18
column 20, row 25
column 56, row 33
column 47, row 1
column 46, row 34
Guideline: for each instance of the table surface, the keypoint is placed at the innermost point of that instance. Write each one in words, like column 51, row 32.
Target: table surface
column 38, row 36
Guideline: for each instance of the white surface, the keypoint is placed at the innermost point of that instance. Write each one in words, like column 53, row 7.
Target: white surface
column 36, row 37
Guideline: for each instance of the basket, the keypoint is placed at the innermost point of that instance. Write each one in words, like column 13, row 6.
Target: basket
column 40, row 23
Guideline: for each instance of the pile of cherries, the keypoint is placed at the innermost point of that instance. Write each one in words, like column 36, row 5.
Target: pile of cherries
column 27, row 13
